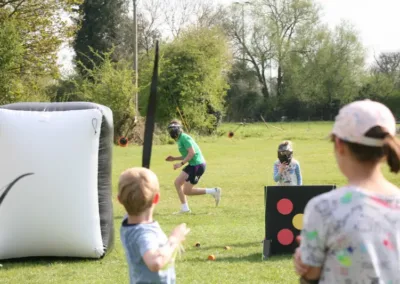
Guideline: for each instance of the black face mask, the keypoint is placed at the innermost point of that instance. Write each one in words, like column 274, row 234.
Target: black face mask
column 174, row 130
column 285, row 156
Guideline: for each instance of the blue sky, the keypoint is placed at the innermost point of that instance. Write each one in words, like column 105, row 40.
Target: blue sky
column 377, row 22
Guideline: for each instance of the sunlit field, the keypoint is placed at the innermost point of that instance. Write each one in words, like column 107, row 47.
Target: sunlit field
column 241, row 166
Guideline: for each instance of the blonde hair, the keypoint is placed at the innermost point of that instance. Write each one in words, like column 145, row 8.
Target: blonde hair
column 177, row 121
column 286, row 143
column 136, row 190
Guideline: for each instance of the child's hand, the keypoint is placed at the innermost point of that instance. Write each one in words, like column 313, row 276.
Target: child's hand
column 170, row 159
column 177, row 166
column 180, row 232
column 282, row 166
column 299, row 266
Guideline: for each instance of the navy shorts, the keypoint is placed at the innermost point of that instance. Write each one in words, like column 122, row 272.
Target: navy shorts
column 194, row 172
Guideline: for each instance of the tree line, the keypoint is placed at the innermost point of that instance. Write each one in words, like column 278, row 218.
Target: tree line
column 250, row 60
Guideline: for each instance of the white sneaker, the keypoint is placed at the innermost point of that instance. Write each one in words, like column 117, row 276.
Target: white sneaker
column 182, row 212
column 217, row 195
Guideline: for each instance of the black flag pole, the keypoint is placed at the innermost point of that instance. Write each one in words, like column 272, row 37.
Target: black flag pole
column 150, row 116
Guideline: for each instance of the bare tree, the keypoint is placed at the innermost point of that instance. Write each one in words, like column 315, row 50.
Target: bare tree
column 253, row 42
column 150, row 23
column 388, row 63
column 283, row 18
column 208, row 14
column 178, row 14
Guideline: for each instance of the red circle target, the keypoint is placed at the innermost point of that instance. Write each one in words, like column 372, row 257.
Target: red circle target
column 284, row 206
column 285, row 237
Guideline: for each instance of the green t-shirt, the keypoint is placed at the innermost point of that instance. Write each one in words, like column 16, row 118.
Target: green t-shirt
column 184, row 143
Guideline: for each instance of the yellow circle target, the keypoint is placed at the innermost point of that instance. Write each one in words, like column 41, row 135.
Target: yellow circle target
column 298, row 221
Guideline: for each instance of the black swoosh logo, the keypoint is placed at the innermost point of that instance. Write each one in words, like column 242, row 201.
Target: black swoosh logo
column 8, row 188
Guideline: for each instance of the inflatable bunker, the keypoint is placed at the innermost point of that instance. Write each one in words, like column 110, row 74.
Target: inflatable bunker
column 55, row 180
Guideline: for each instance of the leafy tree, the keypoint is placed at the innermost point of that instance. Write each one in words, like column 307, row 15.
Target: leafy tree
column 192, row 77
column 160, row 19
column 285, row 20
column 108, row 83
column 267, row 34
column 11, row 51
column 31, row 33
column 329, row 73
column 382, row 82
column 250, row 43
column 100, row 23
column 42, row 27
column 244, row 99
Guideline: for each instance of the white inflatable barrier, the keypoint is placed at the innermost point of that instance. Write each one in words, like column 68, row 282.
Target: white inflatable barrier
column 55, row 180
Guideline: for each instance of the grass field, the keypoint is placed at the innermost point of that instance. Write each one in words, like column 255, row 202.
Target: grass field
column 241, row 166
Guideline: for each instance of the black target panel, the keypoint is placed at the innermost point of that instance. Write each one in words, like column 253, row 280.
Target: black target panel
column 284, row 214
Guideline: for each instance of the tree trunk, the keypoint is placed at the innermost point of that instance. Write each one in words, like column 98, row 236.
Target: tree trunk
column 279, row 81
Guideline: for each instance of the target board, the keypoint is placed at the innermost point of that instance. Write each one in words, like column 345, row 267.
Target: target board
column 284, row 215
column 55, row 180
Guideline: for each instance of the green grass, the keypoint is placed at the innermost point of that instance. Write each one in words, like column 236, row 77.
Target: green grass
column 241, row 166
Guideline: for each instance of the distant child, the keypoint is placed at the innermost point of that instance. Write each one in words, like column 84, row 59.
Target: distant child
column 286, row 168
column 149, row 252
column 195, row 166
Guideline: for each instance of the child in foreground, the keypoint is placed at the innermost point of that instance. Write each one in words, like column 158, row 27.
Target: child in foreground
column 149, row 252
column 286, row 168
column 352, row 234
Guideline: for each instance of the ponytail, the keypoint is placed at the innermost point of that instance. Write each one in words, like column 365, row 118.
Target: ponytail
column 392, row 151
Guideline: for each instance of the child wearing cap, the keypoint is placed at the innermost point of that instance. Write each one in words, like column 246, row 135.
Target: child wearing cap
column 352, row 234
column 149, row 252
column 286, row 168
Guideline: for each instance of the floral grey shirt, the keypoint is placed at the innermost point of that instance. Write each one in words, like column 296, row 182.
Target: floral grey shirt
column 354, row 236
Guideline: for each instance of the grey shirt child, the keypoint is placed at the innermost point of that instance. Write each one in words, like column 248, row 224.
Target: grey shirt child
column 137, row 239
column 354, row 236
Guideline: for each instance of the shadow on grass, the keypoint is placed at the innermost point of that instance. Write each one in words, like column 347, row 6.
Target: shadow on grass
column 234, row 245
column 41, row 261
column 179, row 215
column 171, row 214
column 255, row 257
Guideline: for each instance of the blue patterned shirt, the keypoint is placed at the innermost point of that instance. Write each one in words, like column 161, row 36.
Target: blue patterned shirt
column 291, row 175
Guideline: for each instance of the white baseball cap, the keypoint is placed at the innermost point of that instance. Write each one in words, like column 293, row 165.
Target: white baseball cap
column 356, row 118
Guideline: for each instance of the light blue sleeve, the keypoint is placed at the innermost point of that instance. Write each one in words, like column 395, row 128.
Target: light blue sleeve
column 298, row 174
column 277, row 176
column 147, row 241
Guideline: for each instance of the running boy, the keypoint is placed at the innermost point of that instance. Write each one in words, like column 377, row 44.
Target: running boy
column 149, row 252
column 189, row 177
column 286, row 168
